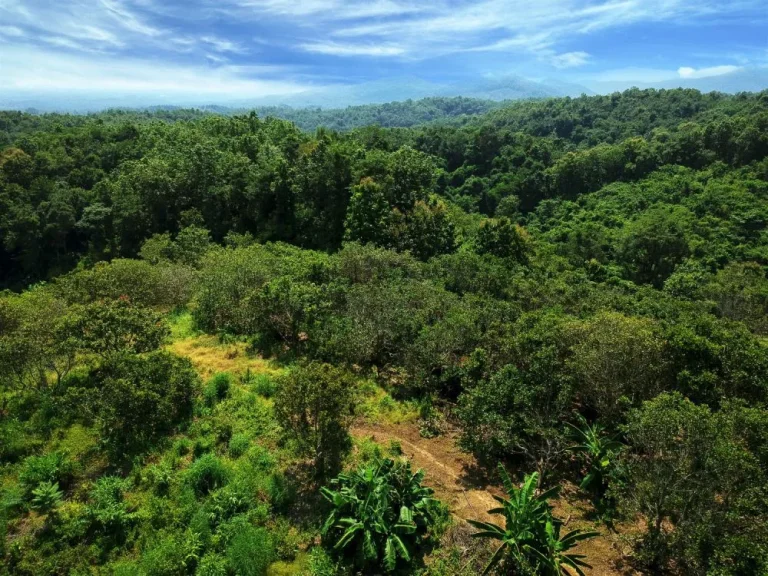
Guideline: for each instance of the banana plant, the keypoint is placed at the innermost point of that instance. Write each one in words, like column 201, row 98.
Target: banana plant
column 530, row 539
column 380, row 513
column 599, row 450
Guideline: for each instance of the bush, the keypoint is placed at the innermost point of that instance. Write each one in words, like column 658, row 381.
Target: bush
column 217, row 388
column 238, row 445
column 206, row 474
column 107, row 506
column 212, row 565
column 172, row 555
column 314, row 405
column 53, row 467
column 264, row 385
column 251, row 551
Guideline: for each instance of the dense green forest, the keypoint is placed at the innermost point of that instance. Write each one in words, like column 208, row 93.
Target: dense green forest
column 203, row 313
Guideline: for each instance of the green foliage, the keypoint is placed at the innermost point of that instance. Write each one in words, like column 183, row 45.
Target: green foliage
column 141, row 398
column 380, row 514
column 598, row 452
column 264, row 385
column 46, row 497
column 118, row 326
column 206, row 474
column 530, row 541
column 51, row 468
column 107, row 506
column 251, row 551
column 314, row 406
column 217, row 387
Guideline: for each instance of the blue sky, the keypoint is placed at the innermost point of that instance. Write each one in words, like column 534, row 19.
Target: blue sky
column 204, row 50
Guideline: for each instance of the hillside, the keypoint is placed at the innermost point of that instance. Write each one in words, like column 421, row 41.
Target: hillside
column 233, row 345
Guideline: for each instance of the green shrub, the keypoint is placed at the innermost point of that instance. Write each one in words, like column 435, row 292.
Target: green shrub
column 321, row 564
column 46, row 497
column 107, row 505
column 206, row 474
column 53, row 467
column 280, row 491
column 217, row 388
column 172, row 555
column 251, row 551
column 212, row 565
column 238, row 445
column 264, row 385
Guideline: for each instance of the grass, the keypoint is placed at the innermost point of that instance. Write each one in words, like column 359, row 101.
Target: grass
column 375, row 405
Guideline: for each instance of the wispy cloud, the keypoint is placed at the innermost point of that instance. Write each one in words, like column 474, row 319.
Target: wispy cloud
column 692, row 73
column 37, row 70
column 337, row 49
column 222, row 45
column 570, row 59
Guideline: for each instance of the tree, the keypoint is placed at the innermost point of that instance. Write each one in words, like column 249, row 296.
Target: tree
column 618, row 361
column 504, row 239
column 530, row 540
column 368, row 215
column 380, row 514
column 314, row 404
column 118, row 327
column 654, row 244
column 35, row 339
column 138, row 399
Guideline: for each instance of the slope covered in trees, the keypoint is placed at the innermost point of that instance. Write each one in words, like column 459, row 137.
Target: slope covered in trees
column 578, row 285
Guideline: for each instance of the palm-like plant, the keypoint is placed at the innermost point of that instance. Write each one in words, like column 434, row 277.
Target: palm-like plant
column 530, row 539
column 380, row 512
column 46, row 496
column 599, row 449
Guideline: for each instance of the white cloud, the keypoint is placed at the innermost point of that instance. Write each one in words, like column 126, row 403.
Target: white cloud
column 222, row 45
column 327, row 10
column 692, row 73
column 11, row 31
column 336, row 49
column 570, row 59
column 37, row 70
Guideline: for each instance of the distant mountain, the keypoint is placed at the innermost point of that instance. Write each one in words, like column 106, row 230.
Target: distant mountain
column 754, row 79
column 405, row 88
column 395, row 89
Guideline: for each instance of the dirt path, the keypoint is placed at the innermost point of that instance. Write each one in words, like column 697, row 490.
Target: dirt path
column 454, row 477
column 445, row 467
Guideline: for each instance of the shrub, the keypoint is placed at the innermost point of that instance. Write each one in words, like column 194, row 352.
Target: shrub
column 107, row 506
column 212, row 565
column 53, row 467
column 172, row 555
column 206, row 474
column 314, row 405
column 251, row 551
column 217, row 387
column 142, row 399
column 46, row 497
column 264, row 385
column 238, row 445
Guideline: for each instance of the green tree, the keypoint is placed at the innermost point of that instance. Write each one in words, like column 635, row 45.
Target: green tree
column 314, row 404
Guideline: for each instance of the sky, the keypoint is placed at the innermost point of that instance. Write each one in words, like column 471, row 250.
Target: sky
column 213, row 50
